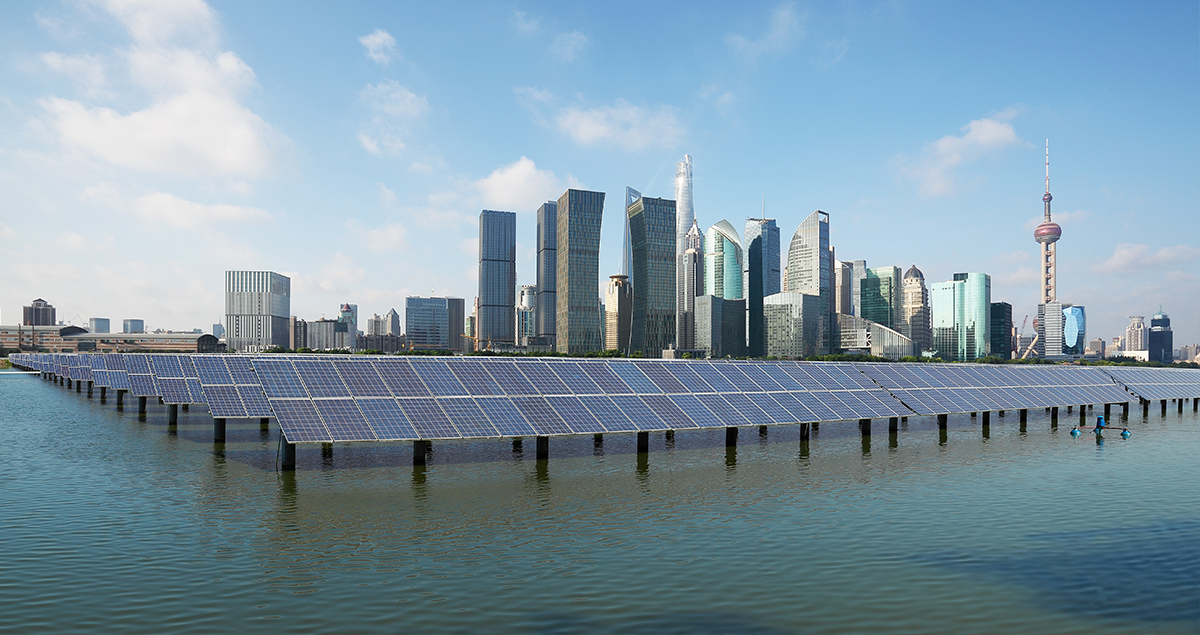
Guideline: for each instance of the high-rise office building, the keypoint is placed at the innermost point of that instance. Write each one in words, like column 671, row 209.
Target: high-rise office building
column 392, row 323
column 881, row 297
column 961, row 315
column 655, row 293
column 723, row 262
column 376, row 325
column 685, row 214
column 1062, row 331
column 692, row 286
column 760, row 278
column 618, row 313
column 39, row 313
column 257, row 307
column 101, row 325
column 133, row 325
column 1001, row 330
column 1161, row 344
column 218, row 330
column 1136, row 334
column 577, row 300
column 858, row 271
column 720, row 326
column 864, row 337
column 793, row 324
column 843, row 297
column 348, row 318
column 497, row 278
column 810, row 268
column 526, row 314
column 545, row 311
column 914, row 310
column 435, row 323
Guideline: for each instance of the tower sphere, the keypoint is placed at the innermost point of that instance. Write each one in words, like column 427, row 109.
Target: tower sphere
column 1047, row 233
column 1047, row 198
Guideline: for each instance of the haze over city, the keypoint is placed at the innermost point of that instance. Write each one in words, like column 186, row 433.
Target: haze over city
column 146, row 148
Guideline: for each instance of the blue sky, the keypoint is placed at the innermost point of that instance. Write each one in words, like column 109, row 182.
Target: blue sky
column 146, row 147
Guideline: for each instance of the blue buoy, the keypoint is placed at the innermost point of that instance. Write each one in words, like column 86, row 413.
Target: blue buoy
column 1074, row 432
column 1125, row 434
column 1099, row 422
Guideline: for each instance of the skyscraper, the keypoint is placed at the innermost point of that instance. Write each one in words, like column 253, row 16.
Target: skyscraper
column 810, row 267
column 881, row 296
column 961, row 316
column 914, row 311
column 858, row 271
column 792, row 322
column 723, row 262
column 685, row 219
column 526, row 314
column 545, row 311
column 101, row 325
column 497, row 278
column 618, row 311
column 578, row 277
column 257, row 307
column 655, row 293
column 842, row 295
column 1001, row 331
column 133, row 325
column 39, row 313
column 692, row 286
column 760, row 278
column 1161, row 344
column 1136, row 334
column 434, row 323
column 391, row 323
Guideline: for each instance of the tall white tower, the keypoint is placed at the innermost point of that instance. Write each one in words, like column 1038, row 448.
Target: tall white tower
column 1047, row 234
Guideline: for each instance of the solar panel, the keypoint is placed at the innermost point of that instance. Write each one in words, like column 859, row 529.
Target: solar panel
column 166, row 365
column 279, row 378
column 742, row 404
column 242, row 370
column 427, row 418
column 360, row 378
column 299, row 421
column 224, row 402
column 683, row 373
column 576, row 381
column 610, row 416
column 785, row 381
column 759, row 378
column 142, row 386
column 575, row 415
column 467, row 418
column 399, row 377
column 741, row 382
column 799, row 413
column 505, row 416
column 343, row 420
column 386, row 419
column 663, row 379
column 768, row 405
column 510, row 381
column 674, row 417
column 707, row 372
column 544, row 382
column 437, row 377
column 637, row 412
column 174, row 390
column 474, row 378
column 255, row 401
column 700, row 415
column 631, row 376
column 211, row 369
column 728, row 415
column 539, row 413
column 604, row 378
column 320, row 378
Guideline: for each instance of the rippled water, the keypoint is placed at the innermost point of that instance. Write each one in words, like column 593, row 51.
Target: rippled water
column 115, row 524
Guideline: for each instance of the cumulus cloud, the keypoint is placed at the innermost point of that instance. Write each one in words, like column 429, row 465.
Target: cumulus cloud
column 394, row 109
column 1130, row 257
column 526, row 23
column 622, row 124
column 390, row 237
column 935, row 167
column 161, row 208
column 86, row 71
column 520, row 186
column 380, row 45
column 568, row 46
column 784, row 28
column 194, row 124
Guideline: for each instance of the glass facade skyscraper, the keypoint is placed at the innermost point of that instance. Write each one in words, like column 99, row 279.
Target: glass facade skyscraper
column 655, row 293
column 258, row 305
column 793, row 325
column 545, row 313
column 810, row 268
column 578, row 317
column 760, row 278
column 618, row 309
column 723, row 262
column 691, row 286
column 1001, row 330
column 434, row 323
column 961, row 316
column 1161, row 344
column 496, row 320
column 881, row 297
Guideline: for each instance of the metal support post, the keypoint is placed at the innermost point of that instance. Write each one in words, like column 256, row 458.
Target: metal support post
column 543, row 448
column 103, row 394
column 121, row 399
column 89, row 389
column 1082, row 415
column 1164, row 407
column 942, row 419
column 987, row 417
column 1107, row 411
column 289, row 457
column 1054, row 414
column 1024, row 415
column 731, row 436
column 864, row 426
column 172, row 414
column 420, row 449
column 141, row 405
column 643, row 442
column 1125, row 410
column 219, row 430
column 1180, row 405
column 894, row 424
column 78, row 386
column 804, row 432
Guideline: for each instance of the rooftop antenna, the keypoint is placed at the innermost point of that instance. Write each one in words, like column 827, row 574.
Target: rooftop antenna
column 764, row 205
column 1047, row 166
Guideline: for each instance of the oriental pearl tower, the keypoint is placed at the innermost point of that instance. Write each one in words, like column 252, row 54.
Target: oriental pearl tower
column 1047, row 234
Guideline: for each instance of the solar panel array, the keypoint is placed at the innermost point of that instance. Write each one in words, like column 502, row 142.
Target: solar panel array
column 931, row 389
column 323, row 398
column 1158, row 383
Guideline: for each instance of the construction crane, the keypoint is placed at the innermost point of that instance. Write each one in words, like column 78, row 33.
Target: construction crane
column 487, row 346
column 1016, row 344
column 1032, row 343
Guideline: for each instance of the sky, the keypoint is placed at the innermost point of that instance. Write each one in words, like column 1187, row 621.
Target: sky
column 146, row 147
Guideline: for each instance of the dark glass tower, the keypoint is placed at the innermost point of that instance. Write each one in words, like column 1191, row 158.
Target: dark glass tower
column 760, row 278
column 545, row 317
column 652, row 241
column 1161, row 348
column 578, row 277
column 496, row 322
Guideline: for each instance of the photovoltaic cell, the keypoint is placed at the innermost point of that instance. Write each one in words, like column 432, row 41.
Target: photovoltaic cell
column 320, row 378
column 505, row 417
column 753, row 413
column 768, row 405
column 166, row 365
column 142, row 386
column 299, row 421
column 631, row 376
column 386, row 419
column 474, row 378
column 279, row 378
column 786, row 381
column 399, row 377
column 343, row 420
column 577, row 382
column 212, row 370
column 544, row 419
column 604, row 378
column 242, row 370
column 639, row 413
column 683, row 373
column 511, row 381
column 696, row 411
column 672, row 415
column 255, row 401
column 741, row 382
column 360, row 378
column 427, row 418
column 578, row 418
column 661, row 378
column 792, row 405
column 544, row 381
column 224, row 403
column 760, row 378
column 610, row 416
column 467, row 418
column 438, row 378
column 174, row 390
column 709, row 374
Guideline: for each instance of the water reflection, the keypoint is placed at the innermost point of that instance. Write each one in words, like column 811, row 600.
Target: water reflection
column 598, row 445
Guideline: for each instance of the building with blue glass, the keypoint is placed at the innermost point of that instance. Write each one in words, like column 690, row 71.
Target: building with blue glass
column 652, row 240
column 495, row 322
column 961, row 317
column 578, row 328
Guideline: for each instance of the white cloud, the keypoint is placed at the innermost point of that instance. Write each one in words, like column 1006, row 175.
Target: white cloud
column 1130, row 257
column 194, row 124
column 567, row 46
column 387, row 197
column 784, row 29
column 390, row 237
column 394, row 110
column 623, row 125
column 380, row 46
column 167, row 209
column 939, row 159
column 519, row 186
column 526, row 23
column 7, row 233
column 87, row 71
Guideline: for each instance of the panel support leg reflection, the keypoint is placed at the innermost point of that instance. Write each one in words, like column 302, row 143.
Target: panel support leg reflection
column 643, row 442
column 289, row 457
column 543, row 448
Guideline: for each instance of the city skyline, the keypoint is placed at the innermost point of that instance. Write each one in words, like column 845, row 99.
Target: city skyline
column 354, row 181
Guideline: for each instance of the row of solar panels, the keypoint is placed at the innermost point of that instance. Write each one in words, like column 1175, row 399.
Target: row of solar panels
column 354, row 398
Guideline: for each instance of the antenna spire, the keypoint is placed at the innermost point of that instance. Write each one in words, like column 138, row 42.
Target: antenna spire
column 1047, row 166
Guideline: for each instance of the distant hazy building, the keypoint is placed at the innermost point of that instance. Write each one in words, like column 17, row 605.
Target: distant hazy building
column 723, row 262
column 685, row 220
column 721, row 326
column 881, row 297
column 1136, row 334
column 577, row 300
column 618, row 313
column 760, row 278
column 545, row 312
column 960, row 314
column 101, row 325
column 1160, row 342
column 376, row 325
column 434, row 323
column 810, row 269
column 1095, row 348
column 864, row 337
column 329, row 335
column 297, row 333
column 257, row 307
column 858, row 271
column 1001, row 330
column 914, row 309
column 843, row 296
column 655, row 293
column 39, row 313
column 392, row 322
column 133, row 326
column 526, row 314
column 497, row 278
column 218, row 330
column 794, row 325
column 691, row 285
